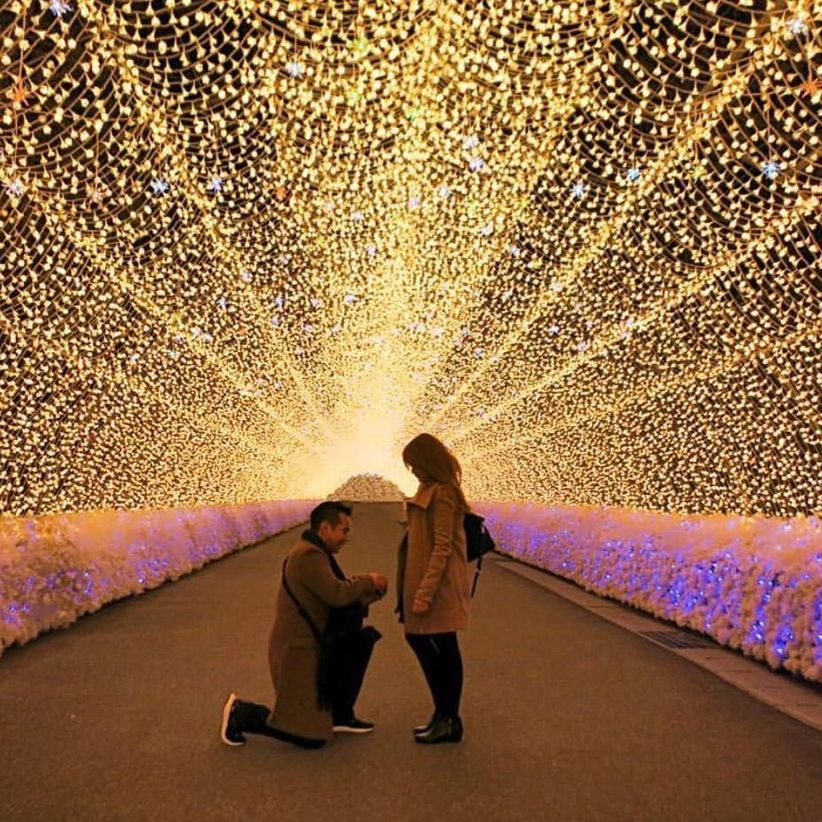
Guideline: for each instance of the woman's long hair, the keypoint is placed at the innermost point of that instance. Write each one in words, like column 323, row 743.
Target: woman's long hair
column 425, row 451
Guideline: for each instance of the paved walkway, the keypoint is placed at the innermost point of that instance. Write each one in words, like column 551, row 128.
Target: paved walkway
column 567, row 717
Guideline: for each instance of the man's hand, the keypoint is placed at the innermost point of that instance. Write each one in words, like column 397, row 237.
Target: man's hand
column 420, row 606
column 380, row 582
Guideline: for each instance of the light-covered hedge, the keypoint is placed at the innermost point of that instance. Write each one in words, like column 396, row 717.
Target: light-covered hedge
column 751, row 583
column 54, row 569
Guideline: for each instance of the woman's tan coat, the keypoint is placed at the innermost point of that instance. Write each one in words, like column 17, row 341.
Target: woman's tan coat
column 435, row 565
column 293, row 652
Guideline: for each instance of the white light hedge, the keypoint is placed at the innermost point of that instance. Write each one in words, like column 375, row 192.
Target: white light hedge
column 751, row 583
column 54, row 569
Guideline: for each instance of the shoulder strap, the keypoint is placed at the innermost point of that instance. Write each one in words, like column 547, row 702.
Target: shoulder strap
column 303, row 613
column 476, row 576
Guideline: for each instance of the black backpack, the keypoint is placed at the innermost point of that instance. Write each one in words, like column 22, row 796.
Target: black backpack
column 478, row 542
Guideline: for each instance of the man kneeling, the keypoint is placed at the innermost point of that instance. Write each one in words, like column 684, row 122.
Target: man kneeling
column 312, row 585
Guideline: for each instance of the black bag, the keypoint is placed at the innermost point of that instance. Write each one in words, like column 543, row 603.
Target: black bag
column 478, row 542
column 477, row 539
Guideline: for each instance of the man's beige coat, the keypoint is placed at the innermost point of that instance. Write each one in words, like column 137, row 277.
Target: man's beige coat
column 293, row 651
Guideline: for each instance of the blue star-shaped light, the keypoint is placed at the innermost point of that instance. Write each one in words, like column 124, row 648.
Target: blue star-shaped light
column 413, row 202
column 58, row 7
column 222, row 303
column 294, row 69
column 633, row 174
column 771, row 169
column 514, row 250
column 216, row 184
column 476, row 164
column 578, row 190
column 159, row 186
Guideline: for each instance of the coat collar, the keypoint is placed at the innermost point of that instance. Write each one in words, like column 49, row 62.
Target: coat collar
column 424, row 495
column 309, row 536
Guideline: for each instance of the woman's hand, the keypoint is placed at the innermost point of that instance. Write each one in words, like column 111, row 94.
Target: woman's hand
column 420, row 606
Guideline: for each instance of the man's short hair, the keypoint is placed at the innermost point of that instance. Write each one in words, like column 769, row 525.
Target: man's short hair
column 330, row 512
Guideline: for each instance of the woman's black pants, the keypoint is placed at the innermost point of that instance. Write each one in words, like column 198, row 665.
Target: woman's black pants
column 441, row 662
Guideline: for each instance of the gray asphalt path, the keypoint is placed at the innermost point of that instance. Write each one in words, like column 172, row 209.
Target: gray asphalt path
column 567, row 717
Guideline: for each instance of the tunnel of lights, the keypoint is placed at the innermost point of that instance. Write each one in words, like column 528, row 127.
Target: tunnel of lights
column 250, row 248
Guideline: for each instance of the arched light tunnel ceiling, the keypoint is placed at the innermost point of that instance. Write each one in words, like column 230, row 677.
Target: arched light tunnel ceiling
column 249, row 248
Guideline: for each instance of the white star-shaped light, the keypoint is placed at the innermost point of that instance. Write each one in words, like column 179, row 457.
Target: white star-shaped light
column 553, row 330
column 216, row 184
column 797, row 25
column 58, row 7
column 16, row 187
column 349, row 299
column 413, row 202
column 294, row 69
column 514, row 250
column 246, row 276
column 222, row 303
column 371, row 250
column 357, row 216
column 486, row 230
column 470, row 142
column 159, row 186
column 633, row 174
column 578, row 190
column 476, row 164
column 444, row 192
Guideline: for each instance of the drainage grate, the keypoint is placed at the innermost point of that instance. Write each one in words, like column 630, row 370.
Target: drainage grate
column 678, row 639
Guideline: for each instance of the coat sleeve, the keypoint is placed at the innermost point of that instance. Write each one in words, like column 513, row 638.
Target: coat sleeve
column 444, row 506
column 316, row 575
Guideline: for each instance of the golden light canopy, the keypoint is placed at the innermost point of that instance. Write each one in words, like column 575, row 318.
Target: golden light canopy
column 249, row 248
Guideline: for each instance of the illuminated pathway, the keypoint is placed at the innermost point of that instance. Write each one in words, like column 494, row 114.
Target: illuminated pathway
column 567, row 717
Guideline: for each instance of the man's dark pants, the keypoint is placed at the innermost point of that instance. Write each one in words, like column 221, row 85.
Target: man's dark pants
column 346, row 676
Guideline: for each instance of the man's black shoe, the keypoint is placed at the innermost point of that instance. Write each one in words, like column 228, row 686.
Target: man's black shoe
column 353, row 726
column 229, row 730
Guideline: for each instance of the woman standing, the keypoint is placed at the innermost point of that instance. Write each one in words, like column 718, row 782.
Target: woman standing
column 434, row 581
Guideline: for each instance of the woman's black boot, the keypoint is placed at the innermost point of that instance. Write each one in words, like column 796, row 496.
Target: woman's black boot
column 422, row 729
column 443, row 729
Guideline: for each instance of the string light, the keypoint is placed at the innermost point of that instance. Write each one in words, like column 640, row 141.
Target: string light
column 251, row 248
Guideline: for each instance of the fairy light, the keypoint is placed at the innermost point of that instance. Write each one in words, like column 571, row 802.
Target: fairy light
column 250, row 248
